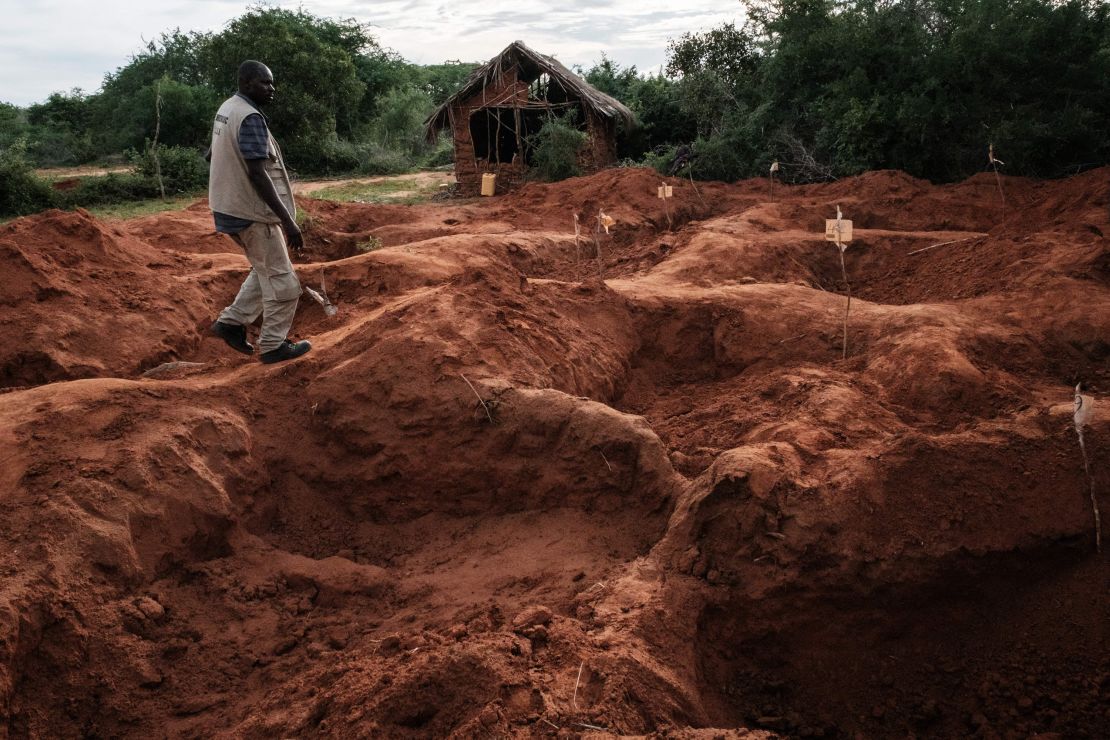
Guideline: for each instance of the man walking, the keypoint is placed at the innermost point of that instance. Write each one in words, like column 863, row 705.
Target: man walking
column 252, row 200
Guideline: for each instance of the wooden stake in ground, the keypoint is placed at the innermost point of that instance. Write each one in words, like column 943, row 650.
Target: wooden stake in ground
column 665, row 192
column 597, row 243
column 1081, row 416
column 774, row 171
column 994, row 165
column 839, row 230
column 577, row 250
column 604, row 221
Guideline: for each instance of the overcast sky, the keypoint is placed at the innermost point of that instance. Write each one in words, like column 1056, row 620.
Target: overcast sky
column 56, row 45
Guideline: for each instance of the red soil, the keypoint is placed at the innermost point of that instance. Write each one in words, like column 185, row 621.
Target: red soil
column 688, row 517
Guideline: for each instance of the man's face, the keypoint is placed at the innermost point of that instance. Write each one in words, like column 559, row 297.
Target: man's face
column 261, row 88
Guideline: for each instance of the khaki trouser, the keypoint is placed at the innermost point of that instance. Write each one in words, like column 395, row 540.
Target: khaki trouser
column 271, row 289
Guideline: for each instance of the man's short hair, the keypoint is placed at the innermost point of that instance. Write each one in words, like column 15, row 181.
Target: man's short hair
column 250, row 71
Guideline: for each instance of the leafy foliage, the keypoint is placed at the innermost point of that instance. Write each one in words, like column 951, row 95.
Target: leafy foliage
column 655, row 100
column 918, row 85
column 314, row 71
column 399, row 124
column 20, row 191
column 555, row 149
column 183, row 169
column 343, row 103
column 111, row 188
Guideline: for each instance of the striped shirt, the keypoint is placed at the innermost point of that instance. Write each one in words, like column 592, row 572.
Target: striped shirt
column 254, row 143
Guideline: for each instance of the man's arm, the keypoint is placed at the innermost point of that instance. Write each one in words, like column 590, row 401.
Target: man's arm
column 253, row 144
column 264, row 186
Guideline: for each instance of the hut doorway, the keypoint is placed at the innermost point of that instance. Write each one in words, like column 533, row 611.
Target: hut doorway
column 500, row 134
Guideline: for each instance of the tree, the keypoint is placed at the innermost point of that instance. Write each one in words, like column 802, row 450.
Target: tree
column 918, row 85
column 60, row 129
column 313, row 61
column 654, row 100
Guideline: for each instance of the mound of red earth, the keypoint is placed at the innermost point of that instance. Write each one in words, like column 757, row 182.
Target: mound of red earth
column 533, row 484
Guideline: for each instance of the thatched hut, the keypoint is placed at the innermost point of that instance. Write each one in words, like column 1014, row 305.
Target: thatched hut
column 509, row 98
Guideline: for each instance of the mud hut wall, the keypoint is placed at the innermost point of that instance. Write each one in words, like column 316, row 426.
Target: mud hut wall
column 601, row 148
column 507, row 91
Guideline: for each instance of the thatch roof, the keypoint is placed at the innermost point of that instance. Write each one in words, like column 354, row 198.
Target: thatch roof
column 532, row 65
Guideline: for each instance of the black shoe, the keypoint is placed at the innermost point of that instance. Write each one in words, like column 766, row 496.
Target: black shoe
column 287, row 350
column 235, row 335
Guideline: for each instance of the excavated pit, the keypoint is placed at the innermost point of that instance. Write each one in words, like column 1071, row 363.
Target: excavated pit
column 1005, row 643
column 505, row 497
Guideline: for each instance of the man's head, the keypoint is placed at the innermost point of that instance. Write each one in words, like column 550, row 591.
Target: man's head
column 256, row 81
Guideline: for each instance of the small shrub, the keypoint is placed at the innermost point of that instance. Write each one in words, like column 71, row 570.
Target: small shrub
column 335, row 157
column 369, row 244
column 443, row 155
column 21, row 191
column 399, row 123
column 61, row 148
column 660, row 158
column 183, row 169
column 374, row 159
column 306, row 222
column 111, row 188
column 555, row 149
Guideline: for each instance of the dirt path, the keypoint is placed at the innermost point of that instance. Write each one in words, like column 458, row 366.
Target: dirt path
column 527, row 485
column 422, row 180
column 63, row 173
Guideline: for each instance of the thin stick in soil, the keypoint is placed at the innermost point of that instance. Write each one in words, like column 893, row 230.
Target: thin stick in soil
column 479, row 397
column 574, row 699
column 997, row 178
column 840, row 248
column 597, row 244
column 1094, row 500
column 847, row 306
column 577, row 249
column 690, row 172
column 943, row 244
column 1081, row 415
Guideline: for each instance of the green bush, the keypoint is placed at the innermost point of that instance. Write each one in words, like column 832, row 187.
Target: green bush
column 377, row 160
column 400, row 120
column 59, row 130
column 833, row 88
column 555, row 149
column 111, row 188
column 660, row 158
column 60, row 148
column 183, row 169
column 21, row 192
column 442, row 155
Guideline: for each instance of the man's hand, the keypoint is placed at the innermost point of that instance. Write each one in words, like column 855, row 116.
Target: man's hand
column 293, row 235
